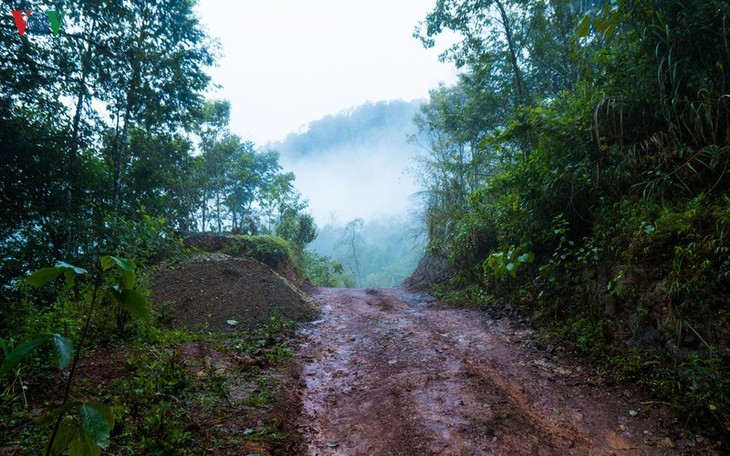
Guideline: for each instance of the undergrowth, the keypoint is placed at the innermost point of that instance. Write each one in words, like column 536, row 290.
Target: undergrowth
column 163, row 397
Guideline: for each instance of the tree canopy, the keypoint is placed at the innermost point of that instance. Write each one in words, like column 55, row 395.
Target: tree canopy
column 108, row 140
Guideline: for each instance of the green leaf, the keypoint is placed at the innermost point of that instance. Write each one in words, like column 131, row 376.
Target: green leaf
column 97, row 422
column 42, row 276
column 62, row 410
column 125, row 265
column 66, row 434
column 134, row 303
column 128, row 280
column 64, row 350
column 82, row 445
column 527, row 257
column 584, row 28
column 21, row 351
column 75, row 269
column 107, row 262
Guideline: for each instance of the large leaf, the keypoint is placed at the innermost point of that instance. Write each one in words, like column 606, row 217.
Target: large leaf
column 75, row 269
column 42, row 276
column 66, row 434
column 21, row 351
column 107, row 262
column 82, row 445
column 124, row 265
column 64, row 350
column 97, row 422
column 134, row 303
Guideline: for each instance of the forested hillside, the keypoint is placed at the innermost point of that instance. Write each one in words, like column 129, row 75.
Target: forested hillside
column 364, row 154
column 579, row 171
column 355, row 167
column 370, row 124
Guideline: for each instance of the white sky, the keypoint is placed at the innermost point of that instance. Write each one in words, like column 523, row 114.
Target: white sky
column 289, row 62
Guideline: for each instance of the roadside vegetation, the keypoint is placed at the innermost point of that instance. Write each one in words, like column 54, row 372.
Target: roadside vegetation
column 578, row 173
column 108, row 376
column 111, row 155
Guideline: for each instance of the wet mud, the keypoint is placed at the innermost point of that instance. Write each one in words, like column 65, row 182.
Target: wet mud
column 392, row 372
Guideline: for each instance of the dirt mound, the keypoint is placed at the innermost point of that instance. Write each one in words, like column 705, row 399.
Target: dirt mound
column 216, row 290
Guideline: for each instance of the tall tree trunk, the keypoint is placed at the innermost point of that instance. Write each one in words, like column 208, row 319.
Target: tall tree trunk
column 357, row 263
column 72, row 169
column 218, row 204
column 204, row 210
column 119, row 148
column 519, row 81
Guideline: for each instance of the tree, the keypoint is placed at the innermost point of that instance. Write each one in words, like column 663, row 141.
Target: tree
column 296, row 227
column 156, row 37
column 352, row 239
column 71, row 107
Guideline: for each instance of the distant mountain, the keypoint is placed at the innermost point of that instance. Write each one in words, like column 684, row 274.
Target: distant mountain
column 370, row 124
column 353, row 164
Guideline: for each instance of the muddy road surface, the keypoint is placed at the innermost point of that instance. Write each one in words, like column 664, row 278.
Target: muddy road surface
column 392, row 372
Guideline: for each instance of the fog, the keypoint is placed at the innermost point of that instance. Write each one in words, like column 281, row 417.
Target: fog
column 343, row 184
column 355, row 164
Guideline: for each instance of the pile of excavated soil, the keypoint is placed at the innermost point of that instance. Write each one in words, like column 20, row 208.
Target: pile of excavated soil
column 213, row 291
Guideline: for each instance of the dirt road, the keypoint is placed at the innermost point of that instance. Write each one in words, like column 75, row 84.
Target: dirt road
column 390, row 372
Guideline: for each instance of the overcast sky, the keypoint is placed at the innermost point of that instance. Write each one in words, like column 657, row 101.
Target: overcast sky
column 288, row 62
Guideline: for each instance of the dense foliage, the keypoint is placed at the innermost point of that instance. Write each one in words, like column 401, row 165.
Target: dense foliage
column 580, row 168
column 109, row 147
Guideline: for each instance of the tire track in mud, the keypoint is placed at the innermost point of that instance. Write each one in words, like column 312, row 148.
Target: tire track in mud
column 391, row 372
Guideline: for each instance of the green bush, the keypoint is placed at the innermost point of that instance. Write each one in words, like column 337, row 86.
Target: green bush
column 323, row 271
